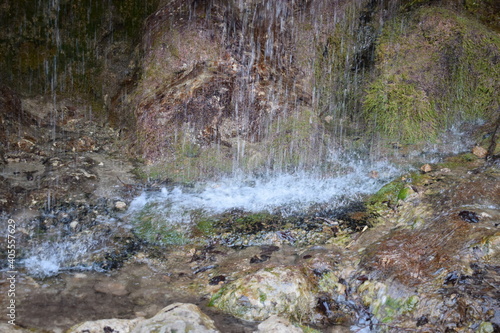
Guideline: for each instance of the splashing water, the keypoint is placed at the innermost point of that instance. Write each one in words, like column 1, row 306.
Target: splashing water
column 52, row 257
column 284, row 194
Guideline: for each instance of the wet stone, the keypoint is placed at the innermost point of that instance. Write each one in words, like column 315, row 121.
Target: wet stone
column 469, row 216
column 217, row 280
column 426, row 168
column 282, row 291
column 106, row 326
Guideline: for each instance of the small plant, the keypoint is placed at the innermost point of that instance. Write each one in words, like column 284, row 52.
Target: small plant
column 150, row 227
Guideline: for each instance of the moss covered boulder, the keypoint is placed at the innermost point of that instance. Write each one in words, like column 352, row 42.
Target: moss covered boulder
column 282, row 291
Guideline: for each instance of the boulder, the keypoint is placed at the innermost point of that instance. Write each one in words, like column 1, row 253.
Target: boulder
column 282, row 291
column 178, row 317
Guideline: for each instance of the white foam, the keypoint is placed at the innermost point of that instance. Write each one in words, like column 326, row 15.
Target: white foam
column 285, row 193
column 51, row 257
column 42, row 266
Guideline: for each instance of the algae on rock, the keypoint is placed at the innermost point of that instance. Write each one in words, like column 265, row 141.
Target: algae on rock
column 282, row 291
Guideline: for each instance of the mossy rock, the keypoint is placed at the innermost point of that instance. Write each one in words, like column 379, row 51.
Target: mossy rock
column 240, row 222
column 467, row 160
column 282, row 291
column 434, row 67
column 384, row 307
column 391, row 194
column 58, row 47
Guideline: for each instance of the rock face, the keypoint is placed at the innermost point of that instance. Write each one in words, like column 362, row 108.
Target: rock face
column 216, row 86
column 234, row 84
column 278, row 291
column 207, row 89
column 87, row 49
column 431, row 49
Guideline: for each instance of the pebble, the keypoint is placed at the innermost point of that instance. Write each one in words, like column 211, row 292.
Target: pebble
column 73, row 224
column 479, row 152
column 469, row 216
column 120, row 205
column 426, row 168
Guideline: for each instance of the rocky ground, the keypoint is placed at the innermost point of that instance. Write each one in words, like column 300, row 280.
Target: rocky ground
column 422, row 254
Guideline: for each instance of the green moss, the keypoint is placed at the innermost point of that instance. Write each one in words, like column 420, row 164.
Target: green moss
column 387, row 308
column 341, row 240
column 404, row 193
column 328, row 283
column 205, row 227
column 151, row 227
column 390, row 194
column 216, row 297
column 189, row 163
column 252, row 222
column 293, row 143
column 400, row 110
column 394, row 307
column 485, row 10
column 434, row 67
column 337, row 96
column 466, row 160
column 262, row 297
column 485, row 327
